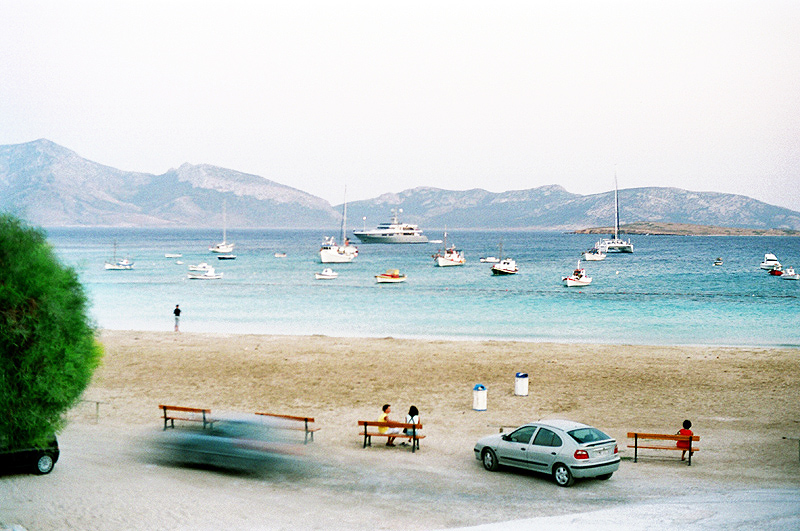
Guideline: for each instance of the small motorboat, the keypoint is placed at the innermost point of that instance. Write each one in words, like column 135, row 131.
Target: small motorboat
column 449, row 256
column 770, row 262
column 577, row 278
column 208, row 274
column 789, row 274
column 593, row 255
column 392, row 276
column 173, row 255
column 326, row 274
column 718, row 261
column 777, row 271
column 280, row 255
column 490, row 260
column 226, row 257
column 507, row 266
column 202, row 266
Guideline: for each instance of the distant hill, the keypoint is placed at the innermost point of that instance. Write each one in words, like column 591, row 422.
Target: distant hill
column 687, row 229
column 553, row 208
column 50, row 185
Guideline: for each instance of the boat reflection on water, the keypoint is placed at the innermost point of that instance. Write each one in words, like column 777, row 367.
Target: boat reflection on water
column 238, row 442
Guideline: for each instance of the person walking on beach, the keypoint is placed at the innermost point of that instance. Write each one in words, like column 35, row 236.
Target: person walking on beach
column 177, row 313
column 385, row 418
column 685, row 444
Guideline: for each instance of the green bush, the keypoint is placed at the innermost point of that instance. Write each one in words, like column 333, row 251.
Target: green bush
column 48, row 350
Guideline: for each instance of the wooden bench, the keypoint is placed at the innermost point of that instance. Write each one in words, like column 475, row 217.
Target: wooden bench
column 636, row 436
column 368, row 435
column 307, row 430
column 190, row 414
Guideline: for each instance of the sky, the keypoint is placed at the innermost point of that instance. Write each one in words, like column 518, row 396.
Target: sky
column 381, row 97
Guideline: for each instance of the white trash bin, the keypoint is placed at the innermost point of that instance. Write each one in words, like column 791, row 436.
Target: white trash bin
column 479, row 397
column 521, row 384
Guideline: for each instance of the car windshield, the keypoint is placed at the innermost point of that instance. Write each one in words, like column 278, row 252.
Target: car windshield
column 587, row 435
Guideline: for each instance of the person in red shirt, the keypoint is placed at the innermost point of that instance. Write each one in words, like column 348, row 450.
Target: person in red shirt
column 685, row 444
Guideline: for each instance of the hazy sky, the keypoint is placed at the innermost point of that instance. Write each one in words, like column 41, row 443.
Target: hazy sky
column 385, row 96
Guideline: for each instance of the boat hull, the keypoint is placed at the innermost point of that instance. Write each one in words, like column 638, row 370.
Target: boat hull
column 593, row 257
column 389, row 280
column 576, row 283
column 366, row 237
column 330, row 256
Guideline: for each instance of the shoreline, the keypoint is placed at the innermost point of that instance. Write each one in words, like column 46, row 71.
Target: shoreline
column 465, row 339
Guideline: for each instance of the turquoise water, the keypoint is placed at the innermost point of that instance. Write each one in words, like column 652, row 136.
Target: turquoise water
column 666, row 292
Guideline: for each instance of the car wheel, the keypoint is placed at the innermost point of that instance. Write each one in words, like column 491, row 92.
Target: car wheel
column 44, row 464
column 489, row 459
column 605, row 476
column 562, row 475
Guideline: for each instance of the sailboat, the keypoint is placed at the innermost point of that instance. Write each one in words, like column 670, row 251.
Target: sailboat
column 224, row 247
column 118, row 265
column 329, row 252
column 615, row 245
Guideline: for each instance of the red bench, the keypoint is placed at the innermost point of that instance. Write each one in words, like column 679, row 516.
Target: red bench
column 190, row 414
column 637, row 437
column 308, row 430
column 413, row 436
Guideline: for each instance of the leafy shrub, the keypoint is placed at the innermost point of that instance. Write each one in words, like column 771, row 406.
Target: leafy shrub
column 48, row 350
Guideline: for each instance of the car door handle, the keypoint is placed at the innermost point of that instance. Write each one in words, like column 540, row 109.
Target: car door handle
column 552, row 453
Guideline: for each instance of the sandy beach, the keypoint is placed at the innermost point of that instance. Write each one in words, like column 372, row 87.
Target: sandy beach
column 742, row 402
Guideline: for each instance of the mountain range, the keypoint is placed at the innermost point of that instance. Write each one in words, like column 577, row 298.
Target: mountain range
column 50, row 185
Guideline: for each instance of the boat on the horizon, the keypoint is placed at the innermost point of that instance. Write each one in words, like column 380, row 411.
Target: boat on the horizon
column 615, row 244
column 280, row 255
column 770, row 262
column 223, row 247
column 326, row 274
column 226, row 257
column 208, row 274
column 489, row 260
column 173, row 255
column 118, row 265
column 578, row 278
column 718, row 262
column 202, row 266
column 449, row 256
column 392, row 276
column 392, row 232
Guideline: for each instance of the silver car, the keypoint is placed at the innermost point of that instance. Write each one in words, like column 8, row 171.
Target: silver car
column 562, row 448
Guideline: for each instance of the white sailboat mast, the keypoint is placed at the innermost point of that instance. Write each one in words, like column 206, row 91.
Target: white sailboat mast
column 344, row 216
column 616, row 207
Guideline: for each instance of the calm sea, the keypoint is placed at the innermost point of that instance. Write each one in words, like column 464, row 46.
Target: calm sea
column 666, row 292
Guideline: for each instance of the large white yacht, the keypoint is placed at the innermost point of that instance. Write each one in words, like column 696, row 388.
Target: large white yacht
column 392, row 232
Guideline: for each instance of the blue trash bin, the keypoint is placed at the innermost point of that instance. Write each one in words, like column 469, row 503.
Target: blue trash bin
column 479, row 397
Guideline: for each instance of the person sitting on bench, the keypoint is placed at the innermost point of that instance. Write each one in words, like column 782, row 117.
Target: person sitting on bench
column 385, row 418
column 685, row 444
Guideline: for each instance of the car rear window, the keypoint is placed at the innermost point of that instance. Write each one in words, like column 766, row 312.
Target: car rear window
column 587, row 435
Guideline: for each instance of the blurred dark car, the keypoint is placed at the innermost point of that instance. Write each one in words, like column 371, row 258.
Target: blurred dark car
column 244, row 444
column 30, row 459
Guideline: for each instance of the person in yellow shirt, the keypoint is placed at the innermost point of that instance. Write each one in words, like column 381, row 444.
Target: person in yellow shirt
column 383, row 429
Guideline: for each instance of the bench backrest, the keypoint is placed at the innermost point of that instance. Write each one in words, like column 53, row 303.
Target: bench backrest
column 289, row 417
column 389, row 424
column 662, row 436
column 185, row 409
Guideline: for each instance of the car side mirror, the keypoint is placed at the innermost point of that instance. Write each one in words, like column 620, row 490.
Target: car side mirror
column 506, row 437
